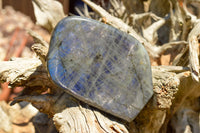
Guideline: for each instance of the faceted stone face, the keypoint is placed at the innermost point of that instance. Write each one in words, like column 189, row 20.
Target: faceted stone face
column 101, row 66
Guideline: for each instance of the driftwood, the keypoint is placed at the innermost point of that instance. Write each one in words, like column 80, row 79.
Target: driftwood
column 175, row 102
column 172, row 85
column 50, row 13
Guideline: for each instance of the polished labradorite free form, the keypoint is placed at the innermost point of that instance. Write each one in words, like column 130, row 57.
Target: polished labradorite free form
column 101, row 66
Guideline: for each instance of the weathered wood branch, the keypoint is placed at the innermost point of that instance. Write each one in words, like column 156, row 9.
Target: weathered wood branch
column 150, row 33
column 119, row 24
column 169, row 45
column 72, row 115
column 190, row 56
column 50, row 13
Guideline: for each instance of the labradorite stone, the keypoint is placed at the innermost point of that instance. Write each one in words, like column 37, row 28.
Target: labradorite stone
column 101, row 66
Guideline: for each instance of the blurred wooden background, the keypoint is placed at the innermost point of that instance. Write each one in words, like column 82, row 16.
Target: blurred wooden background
column 26, row 7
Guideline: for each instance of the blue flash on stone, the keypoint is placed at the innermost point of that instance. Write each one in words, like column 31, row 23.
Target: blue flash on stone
column 101, row 66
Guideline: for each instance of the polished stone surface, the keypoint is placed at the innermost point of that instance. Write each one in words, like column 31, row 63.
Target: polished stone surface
column 100, row 65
